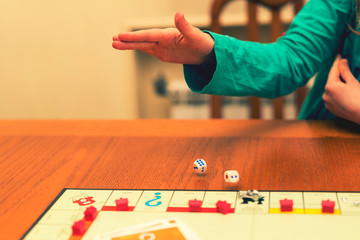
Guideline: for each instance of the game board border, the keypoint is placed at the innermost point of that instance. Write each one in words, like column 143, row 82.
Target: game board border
column 44, row 212
column 128, row 189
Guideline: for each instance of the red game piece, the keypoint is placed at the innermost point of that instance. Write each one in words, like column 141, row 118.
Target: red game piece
column 223, row 207
column 90, row 213
column 286, row 205
column 122, row 204
column 328, row 206
column 195, row 205
column 79, row 227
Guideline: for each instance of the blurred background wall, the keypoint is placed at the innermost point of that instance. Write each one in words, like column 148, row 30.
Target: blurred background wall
column 56, row 59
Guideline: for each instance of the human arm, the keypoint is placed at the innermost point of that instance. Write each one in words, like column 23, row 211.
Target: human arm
column 275, row 69
column 342, row 92
column 184, row 44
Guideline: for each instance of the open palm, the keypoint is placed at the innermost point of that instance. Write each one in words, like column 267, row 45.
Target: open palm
column 184, row 44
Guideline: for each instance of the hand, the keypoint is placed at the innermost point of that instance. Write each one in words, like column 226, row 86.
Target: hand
column 342, row 98
column 184, row 44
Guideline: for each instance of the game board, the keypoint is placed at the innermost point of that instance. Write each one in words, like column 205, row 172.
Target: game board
column 246, row 219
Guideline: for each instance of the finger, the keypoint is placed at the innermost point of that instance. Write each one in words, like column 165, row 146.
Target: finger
column 184, row 26
column 151, row 35
column 334, row 74
column 142, row 46
column 325, row 97
column 345, row 72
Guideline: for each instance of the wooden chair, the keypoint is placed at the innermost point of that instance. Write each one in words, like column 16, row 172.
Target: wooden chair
column 253, row 35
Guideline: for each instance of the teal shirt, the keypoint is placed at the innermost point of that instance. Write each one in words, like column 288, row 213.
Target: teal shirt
column 318, row 33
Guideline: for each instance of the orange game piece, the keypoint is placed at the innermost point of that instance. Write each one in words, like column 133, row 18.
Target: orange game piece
column 223, row 207
column 195, row 205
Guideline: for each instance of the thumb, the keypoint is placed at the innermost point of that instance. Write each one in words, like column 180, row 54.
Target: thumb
column 345, row 71
column 183, row 26
column 334, row 71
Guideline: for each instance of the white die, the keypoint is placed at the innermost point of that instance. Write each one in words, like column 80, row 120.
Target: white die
column 200, row 166
column 231, row 176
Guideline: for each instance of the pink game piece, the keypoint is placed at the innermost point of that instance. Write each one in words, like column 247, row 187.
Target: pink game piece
column 122, row 204
column 195, row 205
column 79, row 227
column 286, row 205
column 90, row 213
column 223, row 207
column 328, row 206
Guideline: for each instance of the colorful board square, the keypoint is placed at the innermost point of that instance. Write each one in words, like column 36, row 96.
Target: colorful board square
column 312, row 202
column 154, row 201
column 181, row 198
column 296, row 197
column 133, row 197
column 212, row 197
column 80, row 199
column 253, row 207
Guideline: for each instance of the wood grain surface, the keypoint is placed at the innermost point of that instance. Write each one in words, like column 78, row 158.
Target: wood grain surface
column 38, row 158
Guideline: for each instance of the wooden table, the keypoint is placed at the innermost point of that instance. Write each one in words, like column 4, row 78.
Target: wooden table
column 38, row 158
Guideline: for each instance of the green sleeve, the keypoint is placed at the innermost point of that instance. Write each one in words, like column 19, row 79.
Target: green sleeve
column 275, row 69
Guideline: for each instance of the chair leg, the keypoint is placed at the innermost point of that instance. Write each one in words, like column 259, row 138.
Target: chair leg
column 216, row 103
column 278, row 107
column 255, row 107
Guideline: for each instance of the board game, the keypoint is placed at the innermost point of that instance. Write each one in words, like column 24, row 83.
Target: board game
column 166, row 214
